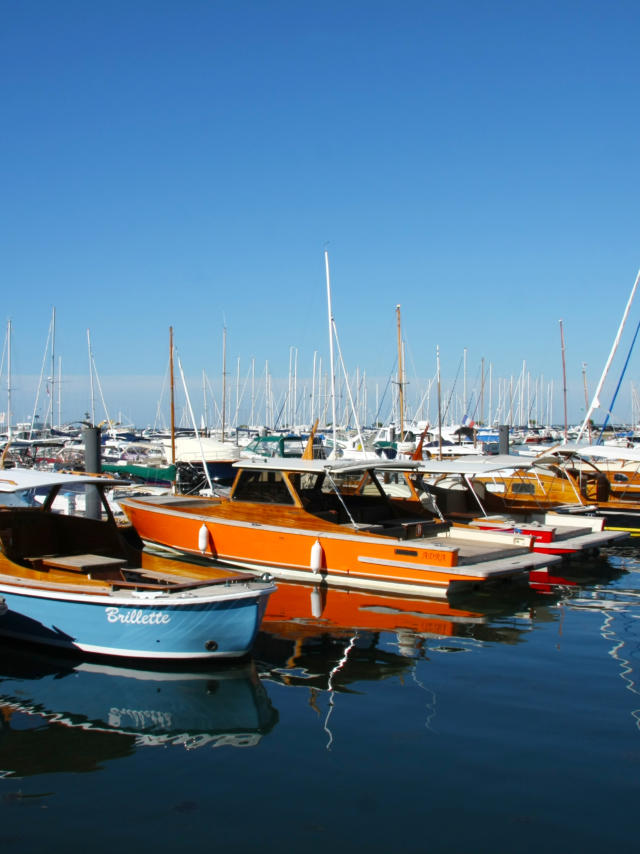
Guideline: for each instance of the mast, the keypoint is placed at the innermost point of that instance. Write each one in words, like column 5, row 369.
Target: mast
column 204, row 402
column 53, row 362
column 464, row 387
column 586, row 393
column 9, row 380
column 253, row 390
column 595, row 403
column 439, row 404
column 59, row 390
column 564, row 381
column 173, row 403
column 313, row 388
column 400, row 376
column 224, row 377
column 331, row 356
column 93, row 400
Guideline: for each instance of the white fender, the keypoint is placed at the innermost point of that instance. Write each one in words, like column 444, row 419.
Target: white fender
column 203, row 538
column 317, row 556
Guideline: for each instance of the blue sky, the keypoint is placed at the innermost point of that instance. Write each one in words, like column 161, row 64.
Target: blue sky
column 186, row 164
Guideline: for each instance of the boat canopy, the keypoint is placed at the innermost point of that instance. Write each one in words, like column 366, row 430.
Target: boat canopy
column 475, row 465
column 331, row 466
column 16, row 479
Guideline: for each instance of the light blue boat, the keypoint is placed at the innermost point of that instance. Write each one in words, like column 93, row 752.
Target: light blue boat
column 85, row 584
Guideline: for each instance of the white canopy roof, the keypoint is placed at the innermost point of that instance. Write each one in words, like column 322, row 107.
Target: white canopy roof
column 12, row 480
column 475, row 465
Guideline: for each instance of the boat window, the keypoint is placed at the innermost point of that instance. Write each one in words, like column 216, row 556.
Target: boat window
column 267, row 487
column 23, row 498
column 495, row 487
column 523, row 488
column 357, row 483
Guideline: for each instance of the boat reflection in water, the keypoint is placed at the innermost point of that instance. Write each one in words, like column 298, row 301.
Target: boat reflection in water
column 307, row 630
column 65, row 714
column 330, row 641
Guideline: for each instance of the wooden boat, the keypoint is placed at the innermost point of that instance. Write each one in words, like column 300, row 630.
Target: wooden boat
column 301, row 518
column 85, row 584
column 563, row 479
column 463, row 491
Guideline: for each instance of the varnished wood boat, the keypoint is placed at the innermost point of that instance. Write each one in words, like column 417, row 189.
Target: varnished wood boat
column 562, row 479
column 469, row 492
column 300, row 518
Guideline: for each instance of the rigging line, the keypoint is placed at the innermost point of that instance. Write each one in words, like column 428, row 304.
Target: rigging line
column 615, row 394
column 384, row 393
column 453, row 388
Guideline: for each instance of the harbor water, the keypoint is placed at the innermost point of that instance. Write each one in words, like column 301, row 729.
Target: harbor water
column 497, row 723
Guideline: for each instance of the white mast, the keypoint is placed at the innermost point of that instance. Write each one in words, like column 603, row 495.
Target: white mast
column 595, row 403
column 59, row 390
column 331, row 357
column 93, row 400
column 224, row 376
column 9, row 380
column 53, row 362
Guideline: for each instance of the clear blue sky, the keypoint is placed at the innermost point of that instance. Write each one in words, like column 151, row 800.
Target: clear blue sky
column 185, row 163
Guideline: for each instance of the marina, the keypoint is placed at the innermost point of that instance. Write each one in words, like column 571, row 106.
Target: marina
column 319, row 428
column 369, row 718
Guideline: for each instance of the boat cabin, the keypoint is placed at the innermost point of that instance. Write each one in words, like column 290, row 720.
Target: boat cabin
column 343, row 493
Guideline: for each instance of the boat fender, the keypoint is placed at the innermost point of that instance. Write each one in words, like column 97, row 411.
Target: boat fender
column 203, row 538
column 317, row 556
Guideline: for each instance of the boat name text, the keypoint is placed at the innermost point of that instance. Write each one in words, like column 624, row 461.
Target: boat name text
column 149, row 618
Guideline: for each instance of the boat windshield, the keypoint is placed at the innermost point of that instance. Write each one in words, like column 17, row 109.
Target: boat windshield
column 70, row 499
column 267, row 487
column 23, row 498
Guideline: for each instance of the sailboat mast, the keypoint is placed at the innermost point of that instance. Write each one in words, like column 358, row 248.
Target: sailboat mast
column 224, row 377
column 59, row 390
column 93, row 399
column 586, row 393
column 439, row 404
column 331, row 355
column 53, row 362
column 9, row 380
column 564, row 381
column 400, row 376
column 173, row 403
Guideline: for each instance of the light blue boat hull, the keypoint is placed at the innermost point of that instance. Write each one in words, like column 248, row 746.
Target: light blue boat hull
column 181, row 628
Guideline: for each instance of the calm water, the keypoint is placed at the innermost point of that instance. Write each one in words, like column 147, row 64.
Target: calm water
column 497, row 724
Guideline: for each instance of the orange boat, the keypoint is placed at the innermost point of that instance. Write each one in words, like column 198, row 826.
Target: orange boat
column 301, row 519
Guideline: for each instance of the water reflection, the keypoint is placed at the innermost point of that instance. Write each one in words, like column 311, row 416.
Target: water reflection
column 619, row 611
column 329, row 641
column 302, row 619
column 64, row 714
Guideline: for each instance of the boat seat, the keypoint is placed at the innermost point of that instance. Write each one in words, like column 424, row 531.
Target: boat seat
column 85, row 563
